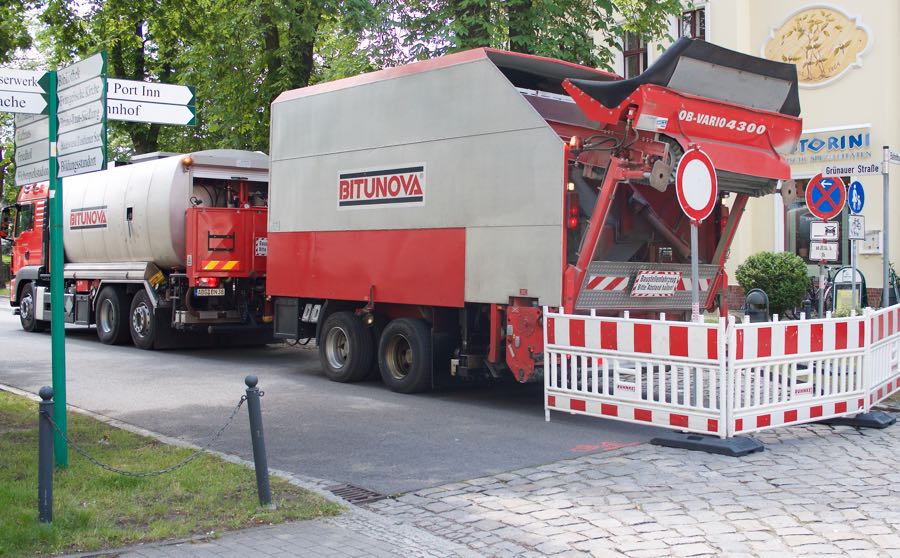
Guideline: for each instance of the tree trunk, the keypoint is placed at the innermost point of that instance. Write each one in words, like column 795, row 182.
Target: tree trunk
column 301, row 41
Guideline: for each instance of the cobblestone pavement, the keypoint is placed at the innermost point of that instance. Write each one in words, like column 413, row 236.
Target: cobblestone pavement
column 815, row 490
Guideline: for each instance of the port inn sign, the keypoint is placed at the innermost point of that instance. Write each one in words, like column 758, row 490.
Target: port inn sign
column 843, row 144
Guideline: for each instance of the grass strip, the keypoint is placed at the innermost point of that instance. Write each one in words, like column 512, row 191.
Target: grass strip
column 94, row 509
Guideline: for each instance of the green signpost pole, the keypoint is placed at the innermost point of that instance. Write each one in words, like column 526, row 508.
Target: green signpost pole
column 57, row 261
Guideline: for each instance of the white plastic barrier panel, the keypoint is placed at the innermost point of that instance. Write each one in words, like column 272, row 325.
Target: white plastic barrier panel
column 792, row 372
column 664, row 373
column 883, row 358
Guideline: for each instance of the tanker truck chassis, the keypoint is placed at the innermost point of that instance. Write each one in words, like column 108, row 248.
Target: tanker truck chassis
column 168, row 251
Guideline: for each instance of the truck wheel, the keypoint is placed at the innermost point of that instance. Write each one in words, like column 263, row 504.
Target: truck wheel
column 112, row 316
column 346, row 349
column 143, row 321
column 28, row 310
column 404, row 355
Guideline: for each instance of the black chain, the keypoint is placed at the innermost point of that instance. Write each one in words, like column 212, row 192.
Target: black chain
column 144, row 474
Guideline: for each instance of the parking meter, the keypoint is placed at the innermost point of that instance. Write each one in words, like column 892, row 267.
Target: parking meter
column 756, row 305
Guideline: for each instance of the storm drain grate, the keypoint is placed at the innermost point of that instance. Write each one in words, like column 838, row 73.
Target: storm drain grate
column 355, row 494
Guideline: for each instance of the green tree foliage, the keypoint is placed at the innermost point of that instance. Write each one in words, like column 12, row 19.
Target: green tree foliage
column 13, row 28
column 783, row 276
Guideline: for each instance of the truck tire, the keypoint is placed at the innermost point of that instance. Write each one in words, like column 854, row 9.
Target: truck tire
column 142, row 321
column 346, row 348
column 404, row 355
column 28, row 309
column 112, row 316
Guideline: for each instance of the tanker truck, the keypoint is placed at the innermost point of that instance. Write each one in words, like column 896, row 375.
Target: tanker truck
column 166, row 252
column 422, row 216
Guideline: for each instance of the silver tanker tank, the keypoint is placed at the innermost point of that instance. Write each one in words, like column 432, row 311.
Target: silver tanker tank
column 135, row 213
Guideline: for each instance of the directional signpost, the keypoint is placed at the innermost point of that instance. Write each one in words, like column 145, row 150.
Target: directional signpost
column 697, row 189
column 825, row 198
column 160, row 103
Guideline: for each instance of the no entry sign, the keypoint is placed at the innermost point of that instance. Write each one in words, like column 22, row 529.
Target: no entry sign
column 825, row 196
column 696, row 184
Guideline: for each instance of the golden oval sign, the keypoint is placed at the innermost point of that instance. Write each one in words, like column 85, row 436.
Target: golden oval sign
column 823, row 43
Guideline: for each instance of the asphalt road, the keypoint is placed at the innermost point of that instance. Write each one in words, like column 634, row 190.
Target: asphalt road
column 361, row 434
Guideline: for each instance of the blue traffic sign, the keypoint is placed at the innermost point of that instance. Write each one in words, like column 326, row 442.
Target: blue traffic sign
column 856, row 197
column 825, row 196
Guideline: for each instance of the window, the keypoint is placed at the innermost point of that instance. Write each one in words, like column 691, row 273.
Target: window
column 635, row 55
column 693, row 24
column 24, row 218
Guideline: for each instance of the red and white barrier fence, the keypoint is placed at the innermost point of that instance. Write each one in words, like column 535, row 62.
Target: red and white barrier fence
column 713, row 379
column 664, row 373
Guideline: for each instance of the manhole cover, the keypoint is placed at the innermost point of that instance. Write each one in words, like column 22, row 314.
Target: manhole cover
column 354, row 494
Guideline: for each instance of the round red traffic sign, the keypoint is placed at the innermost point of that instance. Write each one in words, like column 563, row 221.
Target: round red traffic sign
column 696, row 185
column 825, row 196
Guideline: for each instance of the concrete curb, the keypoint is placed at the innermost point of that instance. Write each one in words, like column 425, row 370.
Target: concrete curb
column 354, row 518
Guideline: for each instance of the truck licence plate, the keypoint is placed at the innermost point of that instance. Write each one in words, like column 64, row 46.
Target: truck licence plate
column 210, row 292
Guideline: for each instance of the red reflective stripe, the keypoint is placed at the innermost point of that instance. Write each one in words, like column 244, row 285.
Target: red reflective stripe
column 840, row 335
column 712, row 425
column 615, row 283
column 712, row 344
column 738, row 424
column 678, row 420
column 815, row 411
column 551, row 331
column 840, row 407
column 816, row 333
column 576, row 333
column 576, row 404
column 609, row 410
column 678, row 341
column 763, row 420
column 609, row 335
column 642, row 343
column 739, row 352
column 764, row 342
column 862, row 333
column 643, row 414
column 791, row 337
column 595, row 281
column 790, row 416
column 551, row 401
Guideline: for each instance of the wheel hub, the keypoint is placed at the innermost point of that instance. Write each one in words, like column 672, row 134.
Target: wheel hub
column 105, row 316
column 140, row 320
column 337, row 347
column 26, row 307
column 399, row 357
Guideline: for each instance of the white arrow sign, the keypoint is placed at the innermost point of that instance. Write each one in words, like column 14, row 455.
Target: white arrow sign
column 35, row 131
column 89, row 68
column 30, row 103
column 29, row 174
column 150, row 92
column 85, row 115
column 81, row 162
column 150, row 112
column 30, row 154
column 24, row 81
column 81, row 139
column 85, row 92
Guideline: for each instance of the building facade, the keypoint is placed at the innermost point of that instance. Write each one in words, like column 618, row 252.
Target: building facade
column 847, row 54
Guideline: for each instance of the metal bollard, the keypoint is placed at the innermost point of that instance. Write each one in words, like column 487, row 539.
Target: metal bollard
column 259, row 442
column 45, row 456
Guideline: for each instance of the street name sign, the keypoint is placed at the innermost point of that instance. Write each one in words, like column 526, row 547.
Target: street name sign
column 856, row 169
column 23, row 81
column 824, row 230
column 165, row 93
column 157, row 113
column 82, row 139
column 823, row 251
column 29, row 103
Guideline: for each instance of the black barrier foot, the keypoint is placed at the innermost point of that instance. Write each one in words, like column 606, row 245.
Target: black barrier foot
column 733, row 447
column 872, row 419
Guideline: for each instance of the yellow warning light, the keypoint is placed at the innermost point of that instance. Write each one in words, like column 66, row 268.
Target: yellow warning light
column 187, row 161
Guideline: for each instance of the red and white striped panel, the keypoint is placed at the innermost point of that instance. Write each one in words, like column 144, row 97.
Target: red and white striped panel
column 694, row 422
column 661, row 339
column 798, row 338
column 882, row 392
column 607, row 283
column 885, row 323
column 810, row 412
column 684, row 284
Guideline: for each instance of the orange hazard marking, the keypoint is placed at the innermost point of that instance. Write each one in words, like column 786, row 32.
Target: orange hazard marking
column 220, row 265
